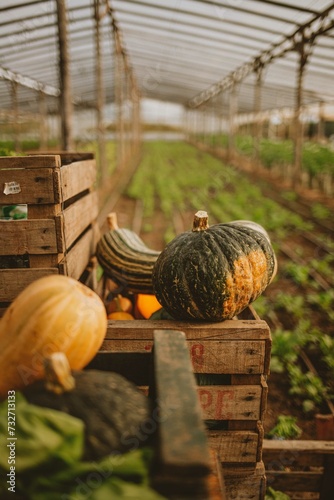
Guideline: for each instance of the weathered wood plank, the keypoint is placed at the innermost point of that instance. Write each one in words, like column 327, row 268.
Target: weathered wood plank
column 38, row 161
column 67, row 156
column 13, row 281
column 300, row 446
column 28, row 236
column 77, row 177
column 36, row 184
column 309, row 481
column 78, row 216
column 183, row 446
column 227, row 330
column 78, row 257
column 234, row 446
column 230, row 402
column 208, row 356
column 243, row 485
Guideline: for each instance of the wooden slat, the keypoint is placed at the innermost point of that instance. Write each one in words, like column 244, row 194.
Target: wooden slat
column 77, row 177
column 231, row 402
column 235, row 446
column 66, row 156
column 28, row 236
column 37, row 186
column 208, row 356
column 299, row 446
column 38, row 161
column 78, row 216
column 79, row 255
column 182, row 438
column 13, row 281
column 300, row 466
column 309, row 481
column 243, row 485
column 228, row 330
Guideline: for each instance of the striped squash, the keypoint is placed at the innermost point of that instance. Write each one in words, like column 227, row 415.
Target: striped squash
column 126, row 259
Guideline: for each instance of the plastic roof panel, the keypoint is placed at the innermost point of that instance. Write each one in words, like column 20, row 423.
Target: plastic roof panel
column 178, row 50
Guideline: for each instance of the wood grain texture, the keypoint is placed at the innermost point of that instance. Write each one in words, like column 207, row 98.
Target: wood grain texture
column 76, row 260
column 37, row 186
column 182, row 438
column 13, row 281
column 78, row 216
column 235, row 446
column 28, row 236
column 226, row 330
column 245, row 485
column 77, row 177
column 30, row 161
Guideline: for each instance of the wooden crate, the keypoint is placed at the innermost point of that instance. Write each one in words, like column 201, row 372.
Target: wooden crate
column 299, row 468
column 184, row 466
column 61, row 231
column 234, row 356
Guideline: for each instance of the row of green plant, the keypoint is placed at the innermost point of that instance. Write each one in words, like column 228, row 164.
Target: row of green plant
column 176, row 177
column 316, row 158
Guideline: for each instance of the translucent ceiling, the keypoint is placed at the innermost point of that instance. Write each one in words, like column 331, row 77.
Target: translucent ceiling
column 178, row 49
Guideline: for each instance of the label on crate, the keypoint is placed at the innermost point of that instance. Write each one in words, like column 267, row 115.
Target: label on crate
column 13, row 212
column 12, row 187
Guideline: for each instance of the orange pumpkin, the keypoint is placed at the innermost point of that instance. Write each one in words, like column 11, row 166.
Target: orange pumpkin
column 120, row 315
column 146, row 305
column 54, row 313
column 118, row 304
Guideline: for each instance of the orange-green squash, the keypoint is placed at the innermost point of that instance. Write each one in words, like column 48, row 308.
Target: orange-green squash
column 213, row 273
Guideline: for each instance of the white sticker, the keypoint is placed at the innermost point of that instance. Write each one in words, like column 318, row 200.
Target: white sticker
column 12, row 188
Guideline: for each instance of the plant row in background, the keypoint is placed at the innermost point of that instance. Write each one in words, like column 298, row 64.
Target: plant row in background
column 175, row 177
column 316, row 158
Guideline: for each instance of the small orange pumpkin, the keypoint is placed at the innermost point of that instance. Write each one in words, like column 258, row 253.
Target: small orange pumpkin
column 120, row 315
column 146, row 305
column 119, row 303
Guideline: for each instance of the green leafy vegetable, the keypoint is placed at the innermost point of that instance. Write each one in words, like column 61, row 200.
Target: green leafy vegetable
column 48, row 448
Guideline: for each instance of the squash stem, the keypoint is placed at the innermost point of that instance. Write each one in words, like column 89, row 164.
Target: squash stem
column 58, row 377
column 200, row 221
column 112, row 221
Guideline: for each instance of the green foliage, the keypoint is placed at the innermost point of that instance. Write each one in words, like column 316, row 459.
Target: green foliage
column 285, row 428
column 307, row 386
column 272, row 494
column 319, row 211
column 299, row 273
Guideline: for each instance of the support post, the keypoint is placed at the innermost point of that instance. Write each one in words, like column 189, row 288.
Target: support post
column 257, row 130
column 303, row 48
column 66, row 105
column 232, row 126
column 15, row 107
column 43, row 127
column 321, row 122
column 100, row 101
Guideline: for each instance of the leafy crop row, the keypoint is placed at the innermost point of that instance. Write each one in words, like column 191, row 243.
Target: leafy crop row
column 316, row 158
column 176, row 177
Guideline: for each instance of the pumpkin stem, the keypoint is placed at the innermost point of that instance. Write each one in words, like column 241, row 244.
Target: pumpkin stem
column 112, row 221
column 58, row 377
column 200, row 221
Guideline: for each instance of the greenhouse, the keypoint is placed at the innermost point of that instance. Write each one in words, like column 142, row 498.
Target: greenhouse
column 176, row 161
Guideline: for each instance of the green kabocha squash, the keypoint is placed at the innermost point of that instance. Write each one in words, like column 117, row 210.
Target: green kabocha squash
column 112, row 408
column 213, row 273
column 126, row 259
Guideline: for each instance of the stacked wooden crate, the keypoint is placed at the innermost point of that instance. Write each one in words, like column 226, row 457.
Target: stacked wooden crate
column 60, row 232
column 231, row 362
column 184, row 467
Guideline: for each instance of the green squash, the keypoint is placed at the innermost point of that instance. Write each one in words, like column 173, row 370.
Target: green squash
column 213, row 273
